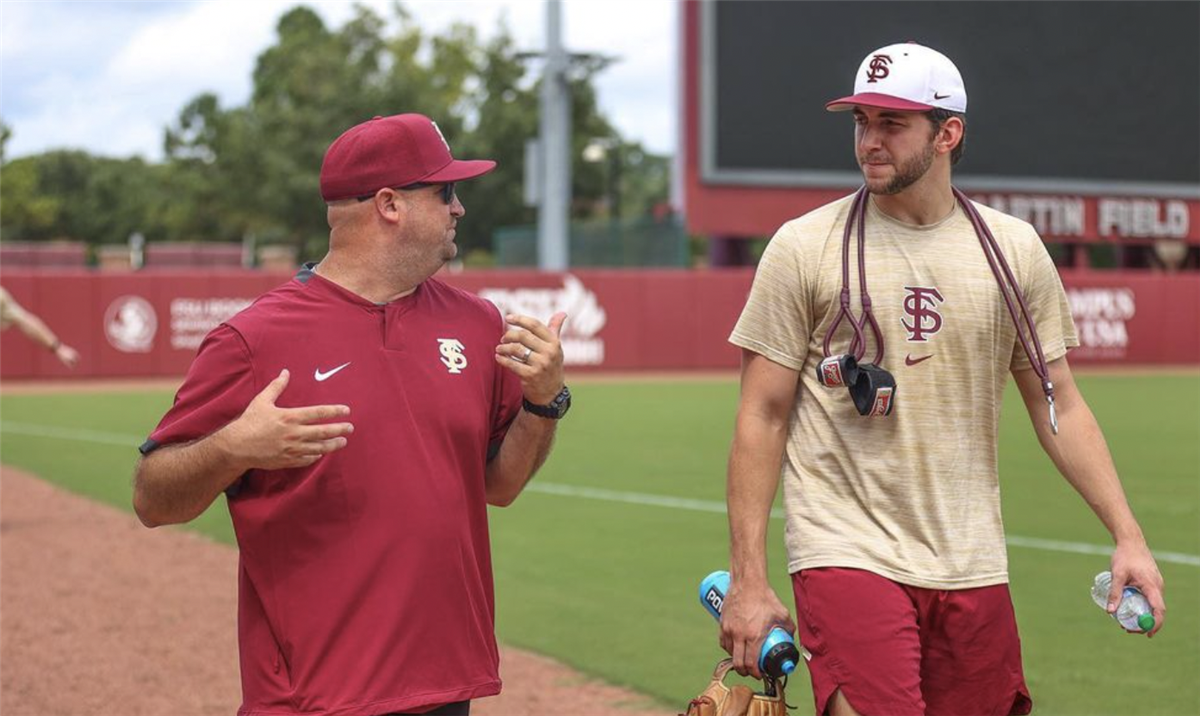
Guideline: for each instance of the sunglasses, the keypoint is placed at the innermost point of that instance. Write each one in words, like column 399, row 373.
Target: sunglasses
column 447, row 191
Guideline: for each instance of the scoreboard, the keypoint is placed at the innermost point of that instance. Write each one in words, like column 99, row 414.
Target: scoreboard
column 1082, row 117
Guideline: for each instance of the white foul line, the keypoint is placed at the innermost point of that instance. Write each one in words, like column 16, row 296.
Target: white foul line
column 681, row 503
column 599, row 493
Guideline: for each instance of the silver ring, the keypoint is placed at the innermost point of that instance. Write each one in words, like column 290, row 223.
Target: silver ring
column 525, row 356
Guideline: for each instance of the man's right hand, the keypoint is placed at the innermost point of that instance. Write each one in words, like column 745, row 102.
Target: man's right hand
column 267, row 437
column 747, row 616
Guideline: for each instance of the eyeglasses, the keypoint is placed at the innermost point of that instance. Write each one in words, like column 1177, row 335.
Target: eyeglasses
column 447, row 191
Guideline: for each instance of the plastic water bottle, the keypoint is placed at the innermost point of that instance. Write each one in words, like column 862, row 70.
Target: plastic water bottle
column 1133, row 612
column 779, row 654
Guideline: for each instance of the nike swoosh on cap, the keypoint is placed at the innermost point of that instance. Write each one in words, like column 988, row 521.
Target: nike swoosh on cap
column 321, row 377
column 909, row 360
column 940, row 96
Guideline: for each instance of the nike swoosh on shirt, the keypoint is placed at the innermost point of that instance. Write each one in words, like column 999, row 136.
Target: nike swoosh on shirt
column 321, row 377
column 909, row 360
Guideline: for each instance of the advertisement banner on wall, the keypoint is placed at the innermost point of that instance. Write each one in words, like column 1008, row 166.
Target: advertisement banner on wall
column 654, row 320
column 581, row 342
column 1102, row 316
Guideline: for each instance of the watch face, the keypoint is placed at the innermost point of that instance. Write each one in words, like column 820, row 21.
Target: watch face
column 562, row 401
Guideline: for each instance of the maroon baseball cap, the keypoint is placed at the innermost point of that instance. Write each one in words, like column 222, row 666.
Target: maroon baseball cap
column 392, row 151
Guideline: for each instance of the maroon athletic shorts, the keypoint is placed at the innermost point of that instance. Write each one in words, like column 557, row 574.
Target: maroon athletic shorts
column 905, row 651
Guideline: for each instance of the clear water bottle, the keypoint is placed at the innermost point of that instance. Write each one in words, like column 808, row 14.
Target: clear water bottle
column 1133, row 612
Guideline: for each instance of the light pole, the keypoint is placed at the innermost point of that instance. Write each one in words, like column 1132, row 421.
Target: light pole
column 555, row 129
column 548, row 181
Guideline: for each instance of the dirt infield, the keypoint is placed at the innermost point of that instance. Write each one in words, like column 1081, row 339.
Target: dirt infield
column 99, row 615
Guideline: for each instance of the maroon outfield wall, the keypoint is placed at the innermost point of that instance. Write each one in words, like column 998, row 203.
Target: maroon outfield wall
column 150, row 323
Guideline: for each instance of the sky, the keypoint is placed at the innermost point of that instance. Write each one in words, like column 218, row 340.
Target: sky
column 108, row 77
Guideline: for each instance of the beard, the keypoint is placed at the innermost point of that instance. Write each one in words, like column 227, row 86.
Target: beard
column 907, row 173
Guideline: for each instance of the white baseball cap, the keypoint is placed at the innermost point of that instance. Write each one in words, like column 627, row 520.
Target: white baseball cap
column 907, row 77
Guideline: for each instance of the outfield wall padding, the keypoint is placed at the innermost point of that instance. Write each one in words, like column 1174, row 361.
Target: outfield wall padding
column 150, row 323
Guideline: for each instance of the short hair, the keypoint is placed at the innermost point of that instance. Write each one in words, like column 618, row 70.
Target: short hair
column 938, row 117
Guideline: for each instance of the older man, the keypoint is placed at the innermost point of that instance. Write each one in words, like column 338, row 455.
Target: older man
column 359, row 419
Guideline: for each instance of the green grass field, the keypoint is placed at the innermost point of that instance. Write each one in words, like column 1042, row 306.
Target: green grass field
column 591, row 572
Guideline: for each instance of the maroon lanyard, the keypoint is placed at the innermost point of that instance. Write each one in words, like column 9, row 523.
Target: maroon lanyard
column 1000, row 269
column 858, row 346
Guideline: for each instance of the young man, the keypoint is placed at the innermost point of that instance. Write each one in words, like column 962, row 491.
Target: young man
column 359, row 420
column 894, row 537
column 14, row 314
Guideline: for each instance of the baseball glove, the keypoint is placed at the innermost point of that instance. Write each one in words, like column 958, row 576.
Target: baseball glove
column 721, row 700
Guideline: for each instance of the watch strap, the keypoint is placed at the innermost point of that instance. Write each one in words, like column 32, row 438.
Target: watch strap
column 555, row 410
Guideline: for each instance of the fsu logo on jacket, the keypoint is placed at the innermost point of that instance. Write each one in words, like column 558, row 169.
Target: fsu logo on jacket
column 921, row 308
column 452, row 354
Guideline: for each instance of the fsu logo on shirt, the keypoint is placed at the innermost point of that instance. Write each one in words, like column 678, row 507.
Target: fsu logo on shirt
column 921, row 306
column 452, row 354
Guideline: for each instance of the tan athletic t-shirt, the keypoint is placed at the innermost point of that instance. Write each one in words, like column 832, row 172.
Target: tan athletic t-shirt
column 914, row 496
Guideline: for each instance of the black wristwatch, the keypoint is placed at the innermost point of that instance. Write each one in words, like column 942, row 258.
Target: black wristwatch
column 555, row 410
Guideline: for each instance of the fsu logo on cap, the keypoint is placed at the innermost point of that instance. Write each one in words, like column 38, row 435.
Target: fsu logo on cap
column 878, row 69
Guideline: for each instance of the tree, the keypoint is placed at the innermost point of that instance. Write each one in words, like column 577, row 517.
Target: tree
column 507, row 117
column 254, row 168
column 260, row 163
column 5, row 135
column 216, row 167
column 645, row 181
column 71, row 194
column 25, row 212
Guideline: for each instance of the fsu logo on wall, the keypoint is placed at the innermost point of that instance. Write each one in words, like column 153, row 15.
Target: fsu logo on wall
column 130, row 324
column 921, row 306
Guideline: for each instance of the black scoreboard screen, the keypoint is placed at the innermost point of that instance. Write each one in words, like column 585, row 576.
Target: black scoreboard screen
column 1080, row 97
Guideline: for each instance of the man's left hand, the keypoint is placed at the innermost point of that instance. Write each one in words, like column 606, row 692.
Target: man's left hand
column 533, row 351
column 1134, row 566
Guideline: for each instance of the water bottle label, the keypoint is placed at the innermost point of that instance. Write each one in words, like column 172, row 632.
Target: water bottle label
column 714, row 599
column 712, row 592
